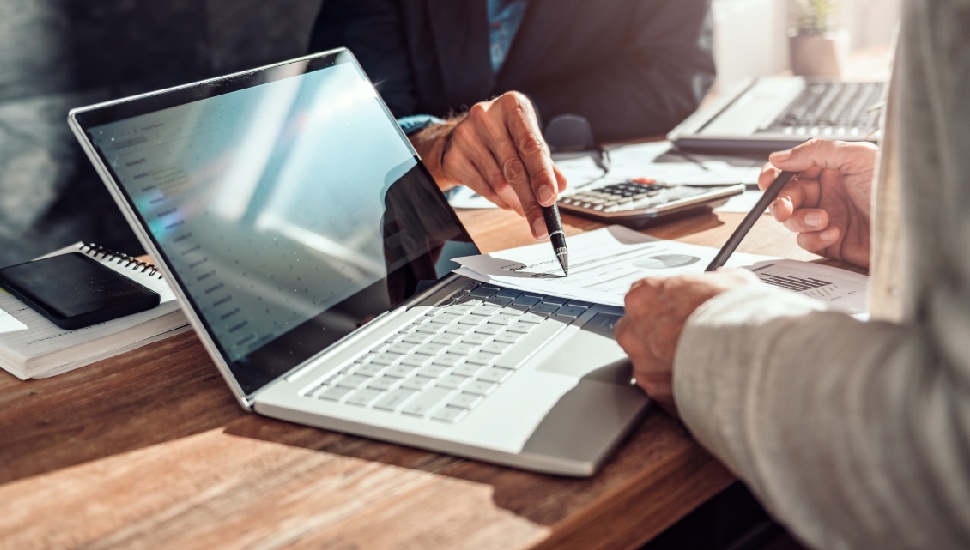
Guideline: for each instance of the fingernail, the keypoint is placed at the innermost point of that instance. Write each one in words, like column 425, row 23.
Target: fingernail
column 813, row 219
column 780, row 156
column 829, row 234
column 539, row 230
column 546, row 196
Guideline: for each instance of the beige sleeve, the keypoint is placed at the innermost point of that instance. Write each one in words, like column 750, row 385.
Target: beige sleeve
column 853, row 434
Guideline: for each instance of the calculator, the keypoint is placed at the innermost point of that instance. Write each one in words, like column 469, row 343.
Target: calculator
column 645, row 200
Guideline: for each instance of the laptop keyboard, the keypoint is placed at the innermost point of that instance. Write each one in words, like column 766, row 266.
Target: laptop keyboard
column 446, row 362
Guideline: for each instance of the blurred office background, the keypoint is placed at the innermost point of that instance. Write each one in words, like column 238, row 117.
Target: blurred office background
column 751, row 37
column 57, row 54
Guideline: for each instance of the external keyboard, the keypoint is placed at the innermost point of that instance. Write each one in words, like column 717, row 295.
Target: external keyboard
column 844, row 107
column 444, row 363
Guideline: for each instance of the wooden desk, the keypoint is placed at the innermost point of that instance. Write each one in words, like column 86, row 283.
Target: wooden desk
column 150, row 449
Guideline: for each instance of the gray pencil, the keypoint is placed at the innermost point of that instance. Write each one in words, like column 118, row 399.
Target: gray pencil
column 749, row 220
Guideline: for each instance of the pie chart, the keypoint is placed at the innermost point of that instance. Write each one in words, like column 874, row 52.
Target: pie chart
column 666, row 261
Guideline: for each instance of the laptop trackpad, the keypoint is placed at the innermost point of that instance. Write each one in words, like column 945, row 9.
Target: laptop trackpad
column 591, row 354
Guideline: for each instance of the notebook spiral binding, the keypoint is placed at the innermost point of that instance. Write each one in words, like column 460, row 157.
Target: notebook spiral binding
column 97, row 251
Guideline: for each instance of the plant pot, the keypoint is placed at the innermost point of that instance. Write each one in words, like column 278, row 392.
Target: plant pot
column 819, row 55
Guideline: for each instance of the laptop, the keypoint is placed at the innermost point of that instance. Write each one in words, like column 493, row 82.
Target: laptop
column 313, row 255
column 770, row 114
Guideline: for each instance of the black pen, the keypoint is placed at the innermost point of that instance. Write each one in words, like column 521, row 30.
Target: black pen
column 749, row 220
column 556, row 236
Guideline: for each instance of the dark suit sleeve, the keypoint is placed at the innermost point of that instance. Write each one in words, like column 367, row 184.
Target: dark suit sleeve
column 657, row 76
column 373, row 30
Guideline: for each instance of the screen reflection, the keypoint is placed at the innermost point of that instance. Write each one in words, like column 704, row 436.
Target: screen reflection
column 291, row 211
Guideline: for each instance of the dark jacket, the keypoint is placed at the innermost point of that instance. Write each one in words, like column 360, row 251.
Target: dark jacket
column 633, row 68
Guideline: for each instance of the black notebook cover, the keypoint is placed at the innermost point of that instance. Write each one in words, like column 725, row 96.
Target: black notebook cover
column 74, row 291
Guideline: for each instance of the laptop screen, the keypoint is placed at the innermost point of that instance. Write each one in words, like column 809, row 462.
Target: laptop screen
column 286, row 202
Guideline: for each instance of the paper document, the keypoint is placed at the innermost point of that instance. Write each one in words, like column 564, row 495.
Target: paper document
column 9, row 323
column 840, row 289
column 741, row 204
column 603, row 264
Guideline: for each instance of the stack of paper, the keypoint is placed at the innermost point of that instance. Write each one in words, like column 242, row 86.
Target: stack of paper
column 603, row 264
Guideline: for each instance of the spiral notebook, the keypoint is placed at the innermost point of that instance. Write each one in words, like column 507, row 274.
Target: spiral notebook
column 33, row 347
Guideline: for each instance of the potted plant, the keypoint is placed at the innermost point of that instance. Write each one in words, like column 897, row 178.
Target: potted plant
column 817, row 44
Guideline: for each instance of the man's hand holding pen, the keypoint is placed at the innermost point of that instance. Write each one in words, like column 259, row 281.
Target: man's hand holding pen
column 497, row 150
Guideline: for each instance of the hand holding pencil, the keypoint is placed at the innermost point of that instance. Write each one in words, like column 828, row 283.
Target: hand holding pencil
column 815, row 188
column 828, row 202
